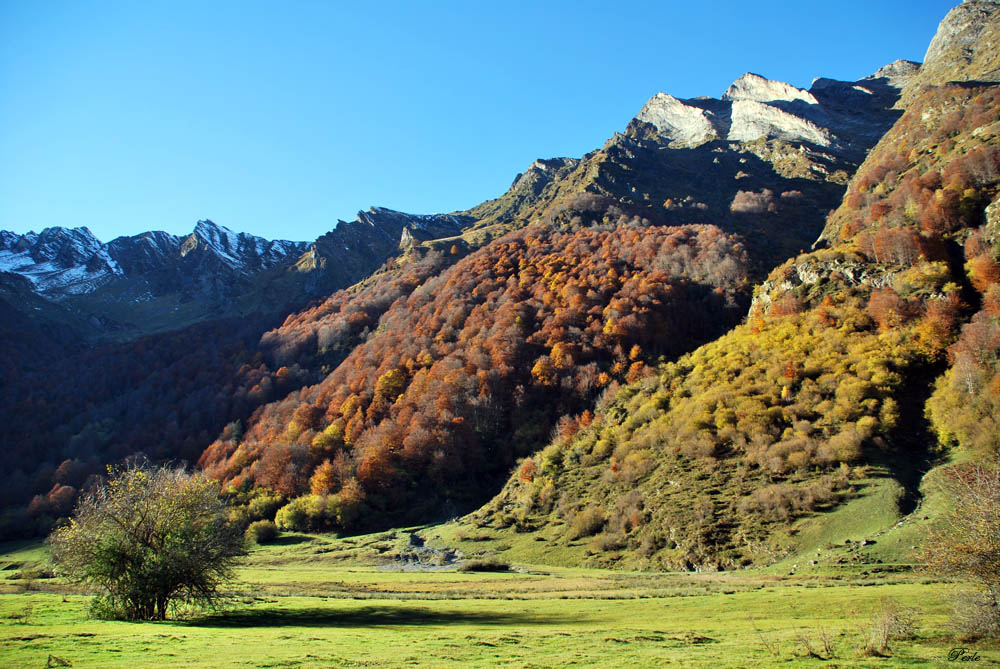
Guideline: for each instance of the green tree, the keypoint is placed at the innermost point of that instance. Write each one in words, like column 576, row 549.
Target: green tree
column 149, row 537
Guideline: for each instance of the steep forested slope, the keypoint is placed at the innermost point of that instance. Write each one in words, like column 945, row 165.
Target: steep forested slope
column 708, row 463
column 478, row 365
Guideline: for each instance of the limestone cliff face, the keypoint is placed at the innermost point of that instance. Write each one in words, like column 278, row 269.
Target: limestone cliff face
column 966, row 41
column 755, row 87
column 845, row 117
column 752, row 119
column 682, row 123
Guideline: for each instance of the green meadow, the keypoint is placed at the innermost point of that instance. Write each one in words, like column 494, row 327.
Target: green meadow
column 319, row 601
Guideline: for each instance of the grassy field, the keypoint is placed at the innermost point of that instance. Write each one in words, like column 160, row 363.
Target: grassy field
column 316, row 601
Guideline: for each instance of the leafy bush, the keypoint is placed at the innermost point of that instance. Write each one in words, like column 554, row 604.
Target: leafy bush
column 264, row 505
column 299, row 515
column 149, row 538
column 262, row 531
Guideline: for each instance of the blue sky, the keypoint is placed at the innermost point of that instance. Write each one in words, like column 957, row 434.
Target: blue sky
column 278, row 118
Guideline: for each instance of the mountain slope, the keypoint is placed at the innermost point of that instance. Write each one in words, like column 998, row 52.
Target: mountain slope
column 506, row 341
column 766, row 160
column 348, row 438
column 399, row 395
column 818, row 401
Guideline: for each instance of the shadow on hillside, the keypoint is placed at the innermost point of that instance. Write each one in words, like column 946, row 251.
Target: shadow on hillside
column 371, row 616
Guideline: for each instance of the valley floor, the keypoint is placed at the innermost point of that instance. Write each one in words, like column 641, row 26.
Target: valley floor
column 316, row 601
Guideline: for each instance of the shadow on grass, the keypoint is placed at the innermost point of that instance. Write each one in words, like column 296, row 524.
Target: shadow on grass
column 289, row 540
column 371, row 616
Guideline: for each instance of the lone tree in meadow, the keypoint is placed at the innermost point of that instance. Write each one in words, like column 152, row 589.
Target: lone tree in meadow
column 149, row 537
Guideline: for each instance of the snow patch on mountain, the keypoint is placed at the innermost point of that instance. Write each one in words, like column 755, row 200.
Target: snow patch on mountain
column 60, row 262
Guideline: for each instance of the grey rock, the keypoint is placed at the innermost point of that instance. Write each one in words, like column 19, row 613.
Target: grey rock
column 680, row 123
column 991, row 231
column 752, row 119
column 847, row 117
column 851, row 272
column 760, row 89
column 958, row 34
column 898, row 73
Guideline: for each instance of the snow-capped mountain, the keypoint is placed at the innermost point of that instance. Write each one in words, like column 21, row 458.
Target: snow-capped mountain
column 156, row 281
column 72, row 261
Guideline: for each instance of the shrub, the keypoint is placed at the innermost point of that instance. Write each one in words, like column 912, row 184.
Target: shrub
column 485, row 564
column 264, row 506
column 975, row 616
column 587, row 523
column 748, row 202
column 262, row 532
column 294, row 516
column 890, row 622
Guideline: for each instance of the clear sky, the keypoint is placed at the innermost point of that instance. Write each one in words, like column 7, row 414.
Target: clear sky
column 278, row 118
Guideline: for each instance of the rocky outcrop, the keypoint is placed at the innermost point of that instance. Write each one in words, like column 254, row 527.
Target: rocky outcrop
column 898, row 73
column 752, row 120
column 759, row 89
column 847, row 117
column 991, row 231
column 966, row 47
column 527, row 195
column 800, row 276
column 679, row 122
column 967, row 37
column 355, row 248
column 540, row 174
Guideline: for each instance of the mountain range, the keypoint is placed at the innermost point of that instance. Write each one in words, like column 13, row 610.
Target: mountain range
column 677, row 351
column 760, row 134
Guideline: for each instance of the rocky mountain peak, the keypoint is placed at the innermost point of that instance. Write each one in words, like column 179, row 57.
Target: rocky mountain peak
column 957, row 37
column 72, row 258
column 686, row 124
column 897, row 73
column 215, row 238
column 61, row 262
column 65, row 245
column 760, row 89
column 540, row 173
column 965, row 47
column 830, row 115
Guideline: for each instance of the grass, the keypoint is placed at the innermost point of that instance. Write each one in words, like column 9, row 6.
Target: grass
column 317, row 601
column 310, row 600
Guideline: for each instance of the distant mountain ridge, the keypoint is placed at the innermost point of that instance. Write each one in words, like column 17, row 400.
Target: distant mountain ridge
column 156, row 281
column 71, row 261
